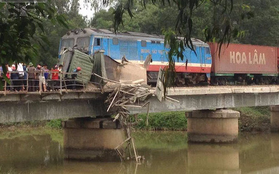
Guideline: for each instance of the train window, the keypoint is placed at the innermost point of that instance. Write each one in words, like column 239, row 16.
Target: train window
column 207, row 51
column 115, row 41
column 143, row 43
column 155, row 42
column 67, row 43
column 97, row 42
column 83, row 42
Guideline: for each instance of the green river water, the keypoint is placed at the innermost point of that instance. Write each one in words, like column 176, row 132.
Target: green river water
column 41, row 151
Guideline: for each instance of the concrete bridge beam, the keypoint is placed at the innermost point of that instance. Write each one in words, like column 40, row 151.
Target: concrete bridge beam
column 92, row 139
column 20, row 111
column 218, row 126
column 274, row 118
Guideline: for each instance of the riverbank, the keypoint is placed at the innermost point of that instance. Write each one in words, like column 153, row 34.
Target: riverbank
column 252, row 119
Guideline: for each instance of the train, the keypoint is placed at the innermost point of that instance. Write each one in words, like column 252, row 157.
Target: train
column 207, row 63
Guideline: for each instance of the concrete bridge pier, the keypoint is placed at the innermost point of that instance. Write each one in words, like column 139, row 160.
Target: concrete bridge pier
column 213, row 126
column 274, row 118
column 92, row 139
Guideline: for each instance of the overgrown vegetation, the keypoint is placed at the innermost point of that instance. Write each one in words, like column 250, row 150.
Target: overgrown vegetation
column 251, row 119
column 163, row 121
column 255, row 111
column 254, row 119
column 56, row 124
column 257, row 21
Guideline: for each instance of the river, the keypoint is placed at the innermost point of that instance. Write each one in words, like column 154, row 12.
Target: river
column 41, row 151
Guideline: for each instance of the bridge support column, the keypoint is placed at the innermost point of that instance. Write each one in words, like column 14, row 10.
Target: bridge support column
column 92, row 139
column 274, row 118
column 219, row 126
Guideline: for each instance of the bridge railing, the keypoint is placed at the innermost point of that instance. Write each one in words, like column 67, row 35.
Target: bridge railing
column 23, row 83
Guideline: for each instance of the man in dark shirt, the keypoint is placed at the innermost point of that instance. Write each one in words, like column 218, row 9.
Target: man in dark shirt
column 14, row 79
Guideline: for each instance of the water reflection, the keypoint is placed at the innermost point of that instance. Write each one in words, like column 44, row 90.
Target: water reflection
column 28, row 152
column 275, row 146
column 256, row 153
column 219, row 159
column 164, row 153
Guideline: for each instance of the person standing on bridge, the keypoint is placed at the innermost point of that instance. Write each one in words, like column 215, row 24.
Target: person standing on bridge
column 74, row 76
column 8, row 74
column 14, row 79
column 41, row 77
column 55, row 77
column 31, row 77
column 25, row 77
column 20, row 75
column 46, row 74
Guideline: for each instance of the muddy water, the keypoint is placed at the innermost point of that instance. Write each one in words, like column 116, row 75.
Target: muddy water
column 40, row 151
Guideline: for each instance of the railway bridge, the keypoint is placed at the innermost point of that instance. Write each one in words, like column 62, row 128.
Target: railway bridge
column 89, row 128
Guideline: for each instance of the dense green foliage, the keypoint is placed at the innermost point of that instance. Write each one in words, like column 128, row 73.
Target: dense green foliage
column 31, row 31
column 163, row 121
column 48, row 53
column 255, row 111
column 56, row 124
column 254, row 119
column 22, row 29
column 255, row 22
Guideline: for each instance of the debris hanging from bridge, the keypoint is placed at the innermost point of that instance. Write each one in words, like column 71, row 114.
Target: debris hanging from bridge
column 121, row 98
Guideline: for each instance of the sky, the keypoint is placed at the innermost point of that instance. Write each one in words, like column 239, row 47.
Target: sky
column 86, row 11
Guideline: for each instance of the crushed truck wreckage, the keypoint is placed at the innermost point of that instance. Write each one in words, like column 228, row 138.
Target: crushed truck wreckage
column 126, row 85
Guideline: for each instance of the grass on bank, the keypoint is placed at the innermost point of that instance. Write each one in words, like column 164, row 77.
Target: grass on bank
column 255, row 111
column 163, row 121
column 55, row 124
column 254, row 119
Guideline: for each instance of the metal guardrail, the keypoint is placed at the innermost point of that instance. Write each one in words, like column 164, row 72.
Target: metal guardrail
column 26, row 84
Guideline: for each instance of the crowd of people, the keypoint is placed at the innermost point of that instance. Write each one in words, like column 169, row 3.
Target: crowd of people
column 27, row 77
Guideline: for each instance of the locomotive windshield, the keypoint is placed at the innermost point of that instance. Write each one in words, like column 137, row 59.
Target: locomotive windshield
column 67, row 43
column 83, row 42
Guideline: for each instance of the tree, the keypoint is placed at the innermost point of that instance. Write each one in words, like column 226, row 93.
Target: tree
column 48, row 53
column 102, row 19
column 263, row 28
column 18, row 25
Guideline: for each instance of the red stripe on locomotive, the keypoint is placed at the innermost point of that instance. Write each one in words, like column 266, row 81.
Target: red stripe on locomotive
column 190, row 69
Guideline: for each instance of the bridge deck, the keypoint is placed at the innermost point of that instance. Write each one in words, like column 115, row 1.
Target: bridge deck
column 28, row 106
column 222, row 90
column 95, row 93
